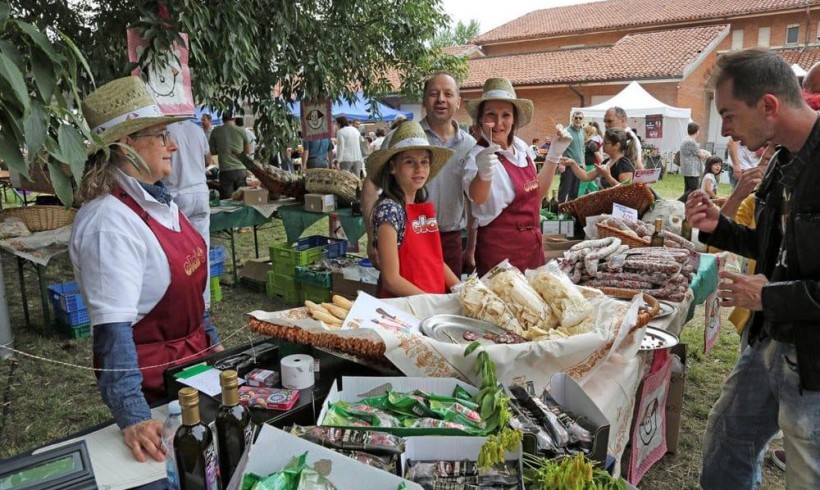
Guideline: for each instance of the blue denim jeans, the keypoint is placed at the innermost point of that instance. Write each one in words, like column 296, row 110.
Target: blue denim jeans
column 762, row 393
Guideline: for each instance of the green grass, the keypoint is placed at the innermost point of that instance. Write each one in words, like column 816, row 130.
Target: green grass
column 43, row 401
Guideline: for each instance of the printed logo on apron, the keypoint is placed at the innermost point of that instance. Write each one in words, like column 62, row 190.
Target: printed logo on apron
column 425, row 225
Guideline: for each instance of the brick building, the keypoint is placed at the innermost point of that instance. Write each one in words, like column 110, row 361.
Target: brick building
column 581, row 55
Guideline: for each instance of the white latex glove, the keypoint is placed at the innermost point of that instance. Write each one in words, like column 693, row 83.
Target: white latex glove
column 486, row 161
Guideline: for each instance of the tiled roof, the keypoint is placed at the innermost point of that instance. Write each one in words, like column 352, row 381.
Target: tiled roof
column 805, row 57
column 651, row 55
column 615, row 14
column 469, row 50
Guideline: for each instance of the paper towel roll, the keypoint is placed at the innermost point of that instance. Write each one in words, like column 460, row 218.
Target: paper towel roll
column 297, row 372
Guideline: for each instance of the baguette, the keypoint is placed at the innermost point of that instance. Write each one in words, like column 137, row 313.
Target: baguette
column 342, row 302
column 311, row 306
column 334, row 310
column 327, row 318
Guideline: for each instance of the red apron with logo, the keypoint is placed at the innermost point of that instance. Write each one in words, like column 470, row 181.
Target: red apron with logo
column 173, row 330
column 514, row 234
column 420, row 258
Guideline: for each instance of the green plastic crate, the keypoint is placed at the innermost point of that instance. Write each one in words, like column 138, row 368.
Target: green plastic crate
column 285, row 287
column 216, row 290
column 317, row 294
column 75, row 331
column 314, row 278
column 284, row 257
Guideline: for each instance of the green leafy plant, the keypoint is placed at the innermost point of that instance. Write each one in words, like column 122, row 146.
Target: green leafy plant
column 568, row 473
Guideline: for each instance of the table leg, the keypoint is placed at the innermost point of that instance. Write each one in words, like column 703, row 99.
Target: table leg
column 233, row 258
column 41, row 278
column 23, row 291
column 256, row 240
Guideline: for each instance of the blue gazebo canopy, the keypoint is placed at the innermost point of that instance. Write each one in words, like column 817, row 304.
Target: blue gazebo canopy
column 359, row 109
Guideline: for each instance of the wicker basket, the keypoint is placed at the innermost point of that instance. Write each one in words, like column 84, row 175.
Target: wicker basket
column 605, row 231
column 330, row 181
column 636, row 196
column 40, row 218
column 277, row 185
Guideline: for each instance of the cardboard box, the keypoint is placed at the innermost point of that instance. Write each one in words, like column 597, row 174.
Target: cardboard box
column 448, row 448
column 555, row 245
column 358, row 387
column 256, row 270
column 572, row 398
column 320, row 203
column 255, row 195
column 350, row 289
column 558, row 227
column 275, row 448
column 674, row 400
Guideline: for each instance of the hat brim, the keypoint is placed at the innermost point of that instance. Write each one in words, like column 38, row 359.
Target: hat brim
column 131, row 126
column 523, row 108
column 377, row 160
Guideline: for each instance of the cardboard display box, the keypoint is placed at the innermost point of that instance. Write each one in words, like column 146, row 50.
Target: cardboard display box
column 275, row 448
column 358, row 387
column 320, row 203
column 255, row 195
column 674, row 400
column 350, row 289
column 555, row 245
column 256, row 270
column 448, row 448
column 564, row 227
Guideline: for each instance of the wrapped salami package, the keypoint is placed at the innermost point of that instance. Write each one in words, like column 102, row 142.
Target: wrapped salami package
column 478, row 301
column 564, row 297
column 534, row 315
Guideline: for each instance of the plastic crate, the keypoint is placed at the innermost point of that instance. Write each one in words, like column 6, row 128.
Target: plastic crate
column 316, row 294
column 76, row 331
column 66, row 296
column 314, row 278
column 216, row 258
column 285, row 287
column 74, row 318
column 306, row 251
column 217, row 269
column 336, row 247
column 216, row 290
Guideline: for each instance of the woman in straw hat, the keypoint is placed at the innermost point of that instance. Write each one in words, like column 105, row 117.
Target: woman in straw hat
column 501, row 181
column 141, row 267
column 407, row 239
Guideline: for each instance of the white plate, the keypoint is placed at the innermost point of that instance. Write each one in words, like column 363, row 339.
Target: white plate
column 655, row 338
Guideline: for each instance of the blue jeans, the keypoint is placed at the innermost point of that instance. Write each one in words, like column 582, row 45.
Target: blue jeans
column 762, row 393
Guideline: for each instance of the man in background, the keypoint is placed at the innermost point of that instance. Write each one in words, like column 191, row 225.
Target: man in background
column 228, row 142
column 207, row 125
column 568, row 187
column 691, row 160
column 615, row 117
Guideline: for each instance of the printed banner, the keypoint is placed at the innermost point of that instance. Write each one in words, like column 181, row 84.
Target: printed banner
column 317, row 119
column 654, row 126
column 172, row 85
column 646, row 175
column 649, row 426
column 712, row 321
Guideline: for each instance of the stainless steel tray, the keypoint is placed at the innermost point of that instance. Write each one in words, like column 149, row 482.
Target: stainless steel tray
column 451, row 329
column 666, row 309
column 655, row 338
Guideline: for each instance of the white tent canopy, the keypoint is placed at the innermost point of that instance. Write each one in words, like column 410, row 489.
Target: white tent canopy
column 638, row 104
column 799, row 71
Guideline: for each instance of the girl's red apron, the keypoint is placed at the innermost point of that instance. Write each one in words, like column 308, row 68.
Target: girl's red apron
column 174, row 329
column 420, row 258
column 515, row 233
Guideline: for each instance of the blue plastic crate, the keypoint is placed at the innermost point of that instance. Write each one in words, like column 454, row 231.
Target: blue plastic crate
column 74, row 318
column 217, row 268
column 217, row 254
column 66, row 296
column 337, row 247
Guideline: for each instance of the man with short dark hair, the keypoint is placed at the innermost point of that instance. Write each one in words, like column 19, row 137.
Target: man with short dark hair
column 777, row 378
column 691, row 160
column 568, row 187
column 615, row 117
column 227, row 142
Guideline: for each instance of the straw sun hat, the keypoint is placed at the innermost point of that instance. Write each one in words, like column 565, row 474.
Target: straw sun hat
column 502, row 89
column 122, row 107
column 408, row 136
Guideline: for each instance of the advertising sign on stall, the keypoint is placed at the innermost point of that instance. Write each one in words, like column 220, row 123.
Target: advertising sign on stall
column 712, row 322
column 654, row 126
column 171, row 86
column 649, row 426
column 317, row 119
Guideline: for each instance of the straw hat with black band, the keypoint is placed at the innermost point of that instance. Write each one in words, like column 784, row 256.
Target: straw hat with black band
column 408, row 136
column 120, row 108
column 501, row 89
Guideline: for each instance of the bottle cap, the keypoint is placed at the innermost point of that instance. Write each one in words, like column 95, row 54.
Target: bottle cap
column 174, row 408
column 188, row 397
column 228, row 378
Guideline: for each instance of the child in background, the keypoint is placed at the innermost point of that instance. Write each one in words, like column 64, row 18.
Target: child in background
column 711, row 172
column 407, row 237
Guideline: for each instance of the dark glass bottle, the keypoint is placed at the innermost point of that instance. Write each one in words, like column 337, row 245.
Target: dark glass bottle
column 686, row 229
column 194, row 451
column 657, row 236
column 233, row 427
column 356, row 206
column 554, row 202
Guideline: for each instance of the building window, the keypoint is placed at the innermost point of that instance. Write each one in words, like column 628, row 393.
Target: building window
column 764, row 35
column 737, row 39
column 818, row 33
column 792, row 33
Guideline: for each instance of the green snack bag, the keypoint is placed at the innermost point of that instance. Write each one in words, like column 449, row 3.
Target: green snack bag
column 339, row 417
column 461, row 394
column 374, row 416
column 447, row 399
column 381, row 402
column 409, row 404
column 458, row 413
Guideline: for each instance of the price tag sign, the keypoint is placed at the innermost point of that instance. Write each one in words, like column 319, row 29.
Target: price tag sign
column 621, row 211
column 646, row 175
column 711, row 324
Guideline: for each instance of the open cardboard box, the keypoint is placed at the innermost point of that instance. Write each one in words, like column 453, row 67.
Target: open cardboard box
column 256, row 270
column 275, row 448
column 358, row 387
column 449, row 448
column 556, row 245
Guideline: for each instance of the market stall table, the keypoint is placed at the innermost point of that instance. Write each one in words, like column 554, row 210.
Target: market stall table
column 297, row 220
column 230, row 215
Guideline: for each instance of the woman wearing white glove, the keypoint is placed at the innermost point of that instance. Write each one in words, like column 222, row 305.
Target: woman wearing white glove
column 501, row 181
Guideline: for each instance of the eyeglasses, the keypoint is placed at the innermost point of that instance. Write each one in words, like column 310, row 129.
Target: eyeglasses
column 578, row 118
column 164, row 135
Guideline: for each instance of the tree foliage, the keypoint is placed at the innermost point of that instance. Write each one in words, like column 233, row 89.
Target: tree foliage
column 260, row 54
column 461, row 33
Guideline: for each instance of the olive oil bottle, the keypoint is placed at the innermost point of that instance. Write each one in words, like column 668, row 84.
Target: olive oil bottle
column 234, row 429
column 657, row 236
column 686, row 229
column 194, row 451
column 553, row 205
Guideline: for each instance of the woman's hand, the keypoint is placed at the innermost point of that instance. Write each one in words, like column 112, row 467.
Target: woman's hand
column 145, row 438
column 603, row 171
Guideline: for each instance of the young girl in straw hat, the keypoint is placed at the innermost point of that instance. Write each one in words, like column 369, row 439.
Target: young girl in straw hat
column 501, row 181
column 141, row 267
column 407, row 238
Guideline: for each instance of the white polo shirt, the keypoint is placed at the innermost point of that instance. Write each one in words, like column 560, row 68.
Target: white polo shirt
column 118, row 263
column 502, row 191
column 188, row 162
